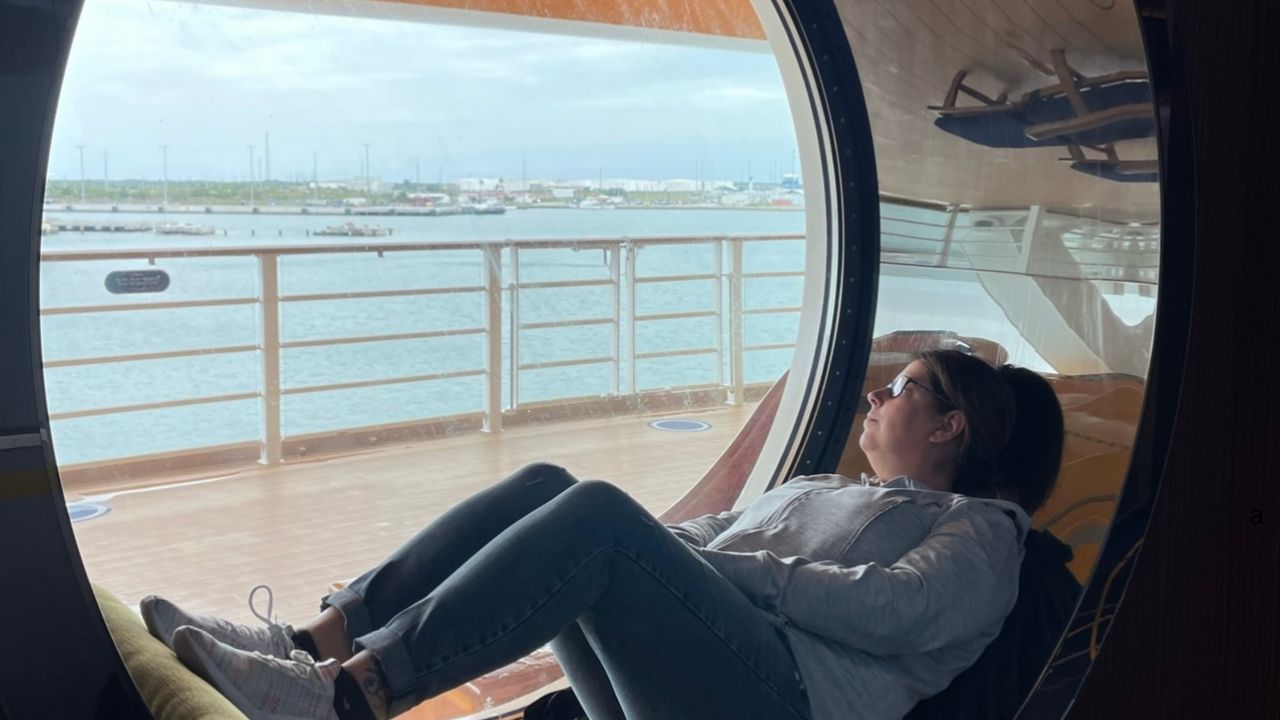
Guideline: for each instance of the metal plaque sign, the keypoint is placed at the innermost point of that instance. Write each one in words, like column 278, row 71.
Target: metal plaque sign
column 137, row 281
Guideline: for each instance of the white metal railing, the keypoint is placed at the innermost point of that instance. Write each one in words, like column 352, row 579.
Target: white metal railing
column 499, row 294
column 1005, row 239
column 1103, row 252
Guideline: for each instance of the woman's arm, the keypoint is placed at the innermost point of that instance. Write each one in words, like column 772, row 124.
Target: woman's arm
column 960, row 581
column 700, row 531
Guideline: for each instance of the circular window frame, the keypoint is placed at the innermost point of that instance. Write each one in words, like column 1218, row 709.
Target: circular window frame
column 32, row 507
column 1109, row 578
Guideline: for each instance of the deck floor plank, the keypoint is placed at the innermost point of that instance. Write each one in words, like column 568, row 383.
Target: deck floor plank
column 301, row 526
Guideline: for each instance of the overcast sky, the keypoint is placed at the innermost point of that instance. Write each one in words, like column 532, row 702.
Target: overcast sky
column 460, row 101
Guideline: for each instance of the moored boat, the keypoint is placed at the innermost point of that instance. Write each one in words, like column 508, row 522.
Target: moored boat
column 488, row 209
column 184, row 229
column 350, row 229
column 101, row 227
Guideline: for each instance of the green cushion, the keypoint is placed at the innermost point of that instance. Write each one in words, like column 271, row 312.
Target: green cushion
column 171, row 691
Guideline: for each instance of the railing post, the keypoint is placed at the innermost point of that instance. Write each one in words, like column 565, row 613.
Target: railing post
column 736, row 319
column 615, row 275
column 1035, row 216
column 718, row 306
column 513, row 308
column 953, row 213
column 631, row 249
column 269, row 285
column 493, row 338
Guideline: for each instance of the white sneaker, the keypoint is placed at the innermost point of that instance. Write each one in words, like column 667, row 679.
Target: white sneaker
column 163, row 618
column 260, row 686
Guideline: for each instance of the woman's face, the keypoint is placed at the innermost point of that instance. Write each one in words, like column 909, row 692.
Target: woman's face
column 899, row 428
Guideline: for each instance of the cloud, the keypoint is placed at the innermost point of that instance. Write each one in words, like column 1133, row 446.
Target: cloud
column 210, row 80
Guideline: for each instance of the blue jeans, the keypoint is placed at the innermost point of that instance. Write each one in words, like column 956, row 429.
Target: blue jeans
column 643, row 627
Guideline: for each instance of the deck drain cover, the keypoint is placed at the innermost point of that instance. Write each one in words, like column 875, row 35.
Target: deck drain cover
column 86, row 510
column 680, row 425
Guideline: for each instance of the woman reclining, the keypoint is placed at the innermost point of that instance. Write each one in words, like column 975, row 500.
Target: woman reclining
column 828, row 597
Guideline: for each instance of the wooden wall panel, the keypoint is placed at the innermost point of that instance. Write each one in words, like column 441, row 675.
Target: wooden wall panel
column 1198, row 635
column 730, row 18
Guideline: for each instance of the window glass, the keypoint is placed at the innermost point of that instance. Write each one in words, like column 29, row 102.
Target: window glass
column 1016, row 156
column 310, row 277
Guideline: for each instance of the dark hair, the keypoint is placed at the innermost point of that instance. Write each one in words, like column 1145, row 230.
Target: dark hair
column 1011, row 447
column 1033, row 456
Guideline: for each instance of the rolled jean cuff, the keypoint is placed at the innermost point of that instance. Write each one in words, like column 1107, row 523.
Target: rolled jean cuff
column 396, row 665
column 355, row 613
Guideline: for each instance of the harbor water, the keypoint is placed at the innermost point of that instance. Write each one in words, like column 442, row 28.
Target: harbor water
column 74, row 388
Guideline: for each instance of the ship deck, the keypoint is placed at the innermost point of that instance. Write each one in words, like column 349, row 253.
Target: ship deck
column 205, row 541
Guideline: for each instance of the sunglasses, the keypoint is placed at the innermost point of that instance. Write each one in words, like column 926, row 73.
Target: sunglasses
column 900, row 383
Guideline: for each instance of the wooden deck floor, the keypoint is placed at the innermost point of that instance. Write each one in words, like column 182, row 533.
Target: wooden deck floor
column 301, row 526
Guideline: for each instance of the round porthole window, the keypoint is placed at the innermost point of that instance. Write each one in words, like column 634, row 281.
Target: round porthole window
column 296, row 269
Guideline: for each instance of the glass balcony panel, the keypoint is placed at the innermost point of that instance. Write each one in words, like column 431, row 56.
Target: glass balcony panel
column 773, row 292
column 675, row 335
column 766, row 366
column 544, row 305
column 665, row 260
column 541, row 385
column 135, row 435
column 375, row 405
column 675, row 372
column 380, row 360
column 318, row 274
column 133, row 332
column 87, row 387
column 676, row 296
column 332, row 319
column 773, row 255
column 559, row 344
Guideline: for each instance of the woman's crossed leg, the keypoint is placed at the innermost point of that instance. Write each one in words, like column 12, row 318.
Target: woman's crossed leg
column 672, row 637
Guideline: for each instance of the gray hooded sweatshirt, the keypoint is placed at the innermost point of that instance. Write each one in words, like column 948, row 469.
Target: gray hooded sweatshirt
column 885, row 592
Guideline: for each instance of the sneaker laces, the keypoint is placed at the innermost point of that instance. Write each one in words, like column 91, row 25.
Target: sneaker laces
column 271, row 605
column 280, row 632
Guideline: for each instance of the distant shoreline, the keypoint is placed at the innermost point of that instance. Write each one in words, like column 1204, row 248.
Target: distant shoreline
column 376, row 211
